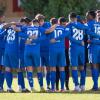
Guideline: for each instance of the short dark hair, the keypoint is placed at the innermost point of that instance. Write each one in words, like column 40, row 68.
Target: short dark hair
column 22, row 20
column 62, row 19
column 35, row 20
column 98, row 11
column 73, row 15
column 92, row 13
column 27, row 20
column 53, row 20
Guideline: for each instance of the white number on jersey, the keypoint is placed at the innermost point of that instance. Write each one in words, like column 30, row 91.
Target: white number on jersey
column 32, row 32
column 57, row 33
column 97, row 30
column 11, row 35
column 78, row 34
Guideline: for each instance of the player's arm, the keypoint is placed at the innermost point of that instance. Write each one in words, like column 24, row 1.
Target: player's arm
column 67, row 34
column 94, row 42
column 38, row 40
column 51, row 29
column 80, row 26
column 6, row 25
column 93, row 34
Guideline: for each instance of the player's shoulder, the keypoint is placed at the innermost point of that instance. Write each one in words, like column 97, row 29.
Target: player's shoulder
column 46, row 24
column 60, row 27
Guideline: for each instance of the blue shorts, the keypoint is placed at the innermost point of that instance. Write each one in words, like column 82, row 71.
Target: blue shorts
column 94, row 55
column 44, row 59
column 57, row 58
column 21, row 60
column 32, row 58
column 77, row 56
column 1, row 56
column 11, row 60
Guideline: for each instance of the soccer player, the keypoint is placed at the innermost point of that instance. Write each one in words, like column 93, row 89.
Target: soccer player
column 98, row 20
column 32, row 52
column 2, row 48
column 21, row 82
column 57, row 55
column 67, row 61
column 77, row 59
column 11, row 54
column 44, row 48
column 94, row 48
column 77, row 54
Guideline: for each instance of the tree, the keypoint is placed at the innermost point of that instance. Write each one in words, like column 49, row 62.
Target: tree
column 32, row 7
column 57, row 8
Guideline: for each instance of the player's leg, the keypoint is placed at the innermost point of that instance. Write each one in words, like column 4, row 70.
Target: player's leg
column 48, row 77
column 82, row 69
column 29, row 69
column 21, row 82
column 53, row 62
column 99, row 64
column 45, row 63
column 36, row 59
column 67, row 73
column 57, row 78
column 86, row 58
column 21, row 70
column 74, row 64
column 95, row 71
column 30, row 77
column 46, row 57
column 8, row 71
column 1, row 70
column 62, row 63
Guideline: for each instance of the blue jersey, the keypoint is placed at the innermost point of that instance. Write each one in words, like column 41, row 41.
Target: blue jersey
column 74, row 34
column 96, row 41
column 38, row 32
column 21, row 41
column 44, row 45
column 59, row 30
column 78, row 32
column 12, row 40
column 93, row 26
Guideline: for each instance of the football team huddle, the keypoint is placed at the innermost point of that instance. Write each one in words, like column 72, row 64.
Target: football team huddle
column 36, row 44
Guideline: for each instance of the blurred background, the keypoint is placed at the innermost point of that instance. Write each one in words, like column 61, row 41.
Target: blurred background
column 14, row 9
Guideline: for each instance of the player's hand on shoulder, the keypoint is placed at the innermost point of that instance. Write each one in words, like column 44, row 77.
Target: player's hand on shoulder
column 28, row 41
column 82, row 43
column 33, row 37
column 88, row 41
column 52, row 40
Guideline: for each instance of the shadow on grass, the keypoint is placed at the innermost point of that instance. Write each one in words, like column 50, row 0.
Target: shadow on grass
column 68, row 92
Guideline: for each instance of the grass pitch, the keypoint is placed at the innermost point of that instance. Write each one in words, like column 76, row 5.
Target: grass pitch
column 88, row 95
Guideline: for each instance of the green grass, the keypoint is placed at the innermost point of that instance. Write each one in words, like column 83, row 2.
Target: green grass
column 88, row 95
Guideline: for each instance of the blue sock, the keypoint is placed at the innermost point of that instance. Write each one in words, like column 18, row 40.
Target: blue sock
column 75, row 77
column 30, row 78
column 82, row 77
column 21, row 80
column 62, row 79
column 40, row 78
column 2, row 79
column 95, row 73
column 9, row 78
column 53, row 79
column 48, row 78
